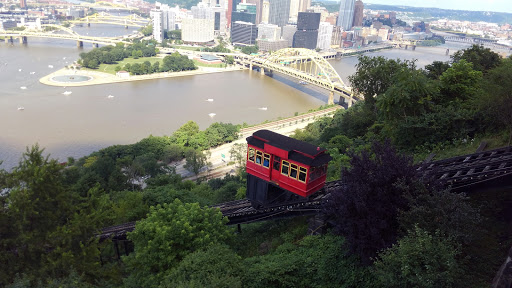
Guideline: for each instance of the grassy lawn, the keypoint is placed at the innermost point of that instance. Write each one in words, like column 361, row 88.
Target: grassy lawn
column 111, row 68
column 220, row 65
column 185, row 47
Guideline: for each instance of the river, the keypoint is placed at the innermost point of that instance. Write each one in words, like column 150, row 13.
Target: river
column 87, row 120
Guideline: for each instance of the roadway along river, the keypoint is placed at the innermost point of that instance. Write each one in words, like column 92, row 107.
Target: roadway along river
column 78, row 123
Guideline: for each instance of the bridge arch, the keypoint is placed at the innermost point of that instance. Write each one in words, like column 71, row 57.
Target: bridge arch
column 318, row 67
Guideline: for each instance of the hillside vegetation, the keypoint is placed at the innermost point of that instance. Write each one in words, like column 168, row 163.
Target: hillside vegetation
column 389, row 227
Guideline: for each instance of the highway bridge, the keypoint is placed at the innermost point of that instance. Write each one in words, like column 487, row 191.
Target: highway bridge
column 465, row 173
column 106, row 18
column 10, row 35
column 305, row 65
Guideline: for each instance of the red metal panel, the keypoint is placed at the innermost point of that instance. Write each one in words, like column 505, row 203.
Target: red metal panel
column 276, row 151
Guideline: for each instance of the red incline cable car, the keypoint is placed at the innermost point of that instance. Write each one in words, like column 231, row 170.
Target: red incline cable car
column 281, row 169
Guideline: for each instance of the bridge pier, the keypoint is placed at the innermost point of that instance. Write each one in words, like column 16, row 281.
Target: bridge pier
column 331, row 98
column 79, row 44
column 23, row 39
column 447, row 52
column 406, row 46
column 413, row 47
column 8, row 39
column 250, row 66
column 88, row 24
column 262, row 71
column 95, row 45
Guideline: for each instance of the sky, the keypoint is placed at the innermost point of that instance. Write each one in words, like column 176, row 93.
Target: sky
column 475, row 5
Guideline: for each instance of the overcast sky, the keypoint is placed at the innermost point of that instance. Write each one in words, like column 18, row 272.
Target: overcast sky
column 476, row 5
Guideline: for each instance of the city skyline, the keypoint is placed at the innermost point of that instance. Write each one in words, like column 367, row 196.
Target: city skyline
column 484, row 5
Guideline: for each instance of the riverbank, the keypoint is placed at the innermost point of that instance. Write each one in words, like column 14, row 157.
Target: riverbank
column 98, row 78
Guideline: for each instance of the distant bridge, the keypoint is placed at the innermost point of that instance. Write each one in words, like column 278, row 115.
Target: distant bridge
column 69, row 34
column 106, row 18
column 303, row 64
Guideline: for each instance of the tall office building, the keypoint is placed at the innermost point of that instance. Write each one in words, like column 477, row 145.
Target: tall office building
column 294, row 10
column 279, row 12
column 358, row 14
column 243, row 33
column 324, row 36
column 304, row 5
column 307, row 30
column 259, row 6
column 203, row 11
column 288, row 32
column 269, row 31
column 245, row 12
column 197, row 30
column 265, row 11
column 158, row 25
column 346, row 14
column 231, row 7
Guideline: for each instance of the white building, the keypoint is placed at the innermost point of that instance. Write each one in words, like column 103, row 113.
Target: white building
column 324, row 36
column 288, row 32
column 197, row 30
column 383, row 34
column 269, row 31
column 158, row 25
column 215, row 13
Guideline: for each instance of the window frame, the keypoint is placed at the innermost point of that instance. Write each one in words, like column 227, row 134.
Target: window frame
column 260, row 154
column 266, row 156
column 292, row 169
column 305, row 172
column 253, row 154
column 286, row 164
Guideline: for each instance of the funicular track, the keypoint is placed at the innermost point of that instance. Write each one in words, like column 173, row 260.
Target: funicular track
column 464, row 172
column 460, row 173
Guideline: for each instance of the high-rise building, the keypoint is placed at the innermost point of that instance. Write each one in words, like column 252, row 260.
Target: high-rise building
column 308, row 21
column 294, row 10
column 23, row 3
column 243, row 33
column 358, row 14
column 324, row 36
column 307, row 30
column 265, row 11
column 346, row 14
column 288, row 32
column 304, row 5
column 197, row 30
column 231, row 7
column 269, row 31
column 259, row 6
column 279, row 12
column 203, row 11
column 158, row 25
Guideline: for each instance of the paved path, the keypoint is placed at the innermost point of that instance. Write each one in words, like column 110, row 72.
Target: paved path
column 220, row 165
column 107, row 78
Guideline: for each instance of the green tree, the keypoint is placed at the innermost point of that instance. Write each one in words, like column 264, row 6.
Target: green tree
column 419, row 259
column 147, row 31
column 250, row 49
column 483, row 59
column 170, row 233
column 409, row 96
column 238, row 154
column 215, row 266
column 195, row 160
column 460, row 82
column 374, row 75
column 436, row 69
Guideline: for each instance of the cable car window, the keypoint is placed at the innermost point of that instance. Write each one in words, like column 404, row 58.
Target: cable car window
column 302, row 174
column 251, row 155
column 258, row 157
column 285, row 168
column 293, row 171
column 266, row 160
column 277, row 162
